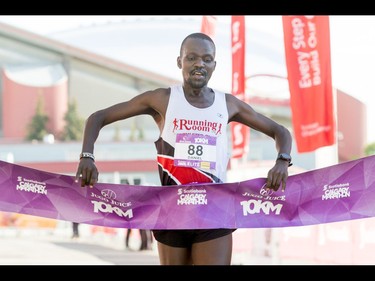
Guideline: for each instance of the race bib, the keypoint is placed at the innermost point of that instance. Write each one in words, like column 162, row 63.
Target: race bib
column 195, row 150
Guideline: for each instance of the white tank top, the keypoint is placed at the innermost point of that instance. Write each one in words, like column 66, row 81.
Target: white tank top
column 193, row 145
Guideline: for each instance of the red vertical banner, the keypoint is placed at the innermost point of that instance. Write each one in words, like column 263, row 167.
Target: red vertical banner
column 240, row 133
column 308, row 61
column 209, row 25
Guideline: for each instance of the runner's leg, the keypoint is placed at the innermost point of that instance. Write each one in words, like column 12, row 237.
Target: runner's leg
column 213, row 252
column 173, row 255
column 144, row 240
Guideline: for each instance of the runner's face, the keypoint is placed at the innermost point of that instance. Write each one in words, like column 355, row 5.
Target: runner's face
column 197, row 62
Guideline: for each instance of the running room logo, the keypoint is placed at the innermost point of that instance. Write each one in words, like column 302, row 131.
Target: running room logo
column 262, row 202
column 106, row 203
column 191, row 197
column 336, row 191
column 197, row 125
column 31, row 186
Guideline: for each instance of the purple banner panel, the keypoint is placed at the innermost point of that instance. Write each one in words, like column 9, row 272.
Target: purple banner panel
column 340, row 192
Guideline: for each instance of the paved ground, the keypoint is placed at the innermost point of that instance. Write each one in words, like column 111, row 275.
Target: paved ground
column 25, row 246
column 32, row 251
column 40, row 247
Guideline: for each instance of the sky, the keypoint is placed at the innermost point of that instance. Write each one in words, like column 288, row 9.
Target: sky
column 352, row 47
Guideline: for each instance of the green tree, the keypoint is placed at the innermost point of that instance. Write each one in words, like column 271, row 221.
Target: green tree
column 74, row 124
column 36, row 129
column 370, row 149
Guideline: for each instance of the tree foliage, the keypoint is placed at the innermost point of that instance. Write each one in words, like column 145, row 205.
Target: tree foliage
column 36, row 129
column 370, row 149
column 74, row 124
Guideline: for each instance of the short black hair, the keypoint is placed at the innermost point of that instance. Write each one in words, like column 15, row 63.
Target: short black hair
column 198, row 35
